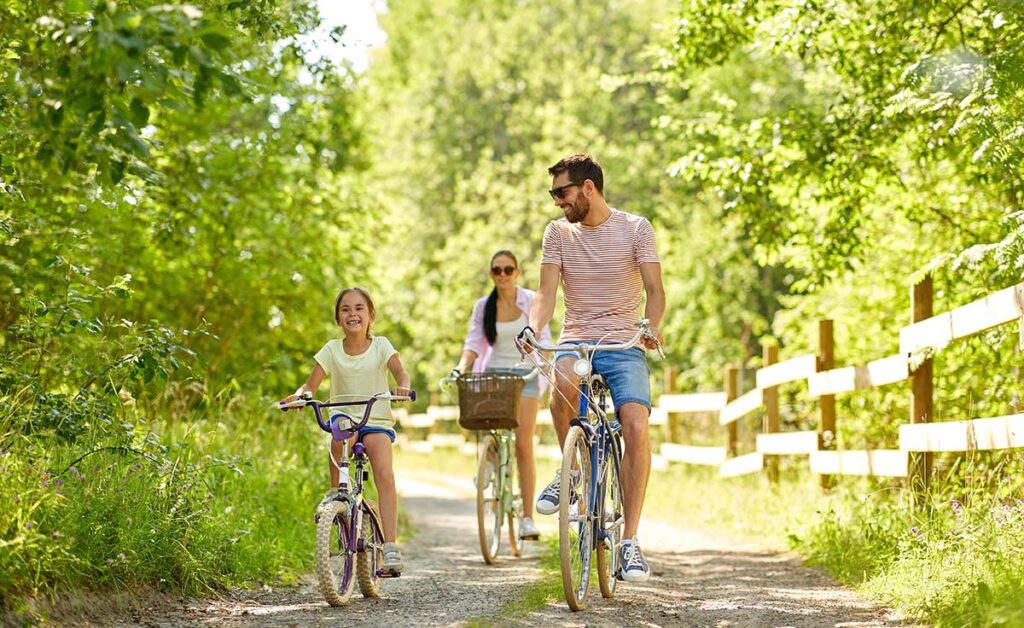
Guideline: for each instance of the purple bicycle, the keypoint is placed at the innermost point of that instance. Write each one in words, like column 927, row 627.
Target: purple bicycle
column 349, row 536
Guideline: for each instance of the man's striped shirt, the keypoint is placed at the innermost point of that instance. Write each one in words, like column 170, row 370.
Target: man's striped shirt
column 601, row 274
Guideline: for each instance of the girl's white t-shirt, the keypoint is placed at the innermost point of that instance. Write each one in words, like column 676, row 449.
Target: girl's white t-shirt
column 365, row 374
column 505, row 354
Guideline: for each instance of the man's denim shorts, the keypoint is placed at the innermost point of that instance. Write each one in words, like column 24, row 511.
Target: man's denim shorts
column 626, row 373
column 532, row 388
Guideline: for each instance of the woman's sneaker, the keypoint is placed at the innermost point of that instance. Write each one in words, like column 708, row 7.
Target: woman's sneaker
column 528, row 530
column 634, row 567
column 392, row 559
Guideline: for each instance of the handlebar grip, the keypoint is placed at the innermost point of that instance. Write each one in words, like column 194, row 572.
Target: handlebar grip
column 412, row 395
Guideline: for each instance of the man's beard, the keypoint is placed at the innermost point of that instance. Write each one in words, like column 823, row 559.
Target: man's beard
column 578, row 210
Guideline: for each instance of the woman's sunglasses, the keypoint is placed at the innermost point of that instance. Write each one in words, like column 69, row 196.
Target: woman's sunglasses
column 496, row 270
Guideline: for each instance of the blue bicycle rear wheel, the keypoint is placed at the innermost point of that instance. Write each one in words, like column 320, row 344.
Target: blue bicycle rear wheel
column 612, row 521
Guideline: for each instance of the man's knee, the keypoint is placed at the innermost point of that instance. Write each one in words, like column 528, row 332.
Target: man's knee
column 635, row 421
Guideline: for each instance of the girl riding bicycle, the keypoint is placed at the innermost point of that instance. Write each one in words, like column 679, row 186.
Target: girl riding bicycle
column 358, row 365
column 490, row 346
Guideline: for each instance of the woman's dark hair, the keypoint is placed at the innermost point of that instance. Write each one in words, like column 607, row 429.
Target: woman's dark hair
column 491, row 307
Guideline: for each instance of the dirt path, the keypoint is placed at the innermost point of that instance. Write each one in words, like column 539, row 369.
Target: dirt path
column 696, row 582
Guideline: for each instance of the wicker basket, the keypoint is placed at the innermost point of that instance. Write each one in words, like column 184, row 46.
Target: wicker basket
column 490, row 401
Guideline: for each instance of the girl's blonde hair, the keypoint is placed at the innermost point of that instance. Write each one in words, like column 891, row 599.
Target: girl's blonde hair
column 369, row 304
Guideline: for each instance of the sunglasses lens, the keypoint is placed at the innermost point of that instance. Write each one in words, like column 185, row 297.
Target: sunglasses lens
column 509, row 270
column 496, row 270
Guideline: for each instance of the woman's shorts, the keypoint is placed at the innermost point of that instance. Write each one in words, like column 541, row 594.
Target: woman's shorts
column 532, row 388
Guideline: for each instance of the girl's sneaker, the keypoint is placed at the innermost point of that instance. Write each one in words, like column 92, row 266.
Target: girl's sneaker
column 392, row 558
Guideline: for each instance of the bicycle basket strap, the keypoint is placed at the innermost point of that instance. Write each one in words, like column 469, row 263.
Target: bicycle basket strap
column 490, row 401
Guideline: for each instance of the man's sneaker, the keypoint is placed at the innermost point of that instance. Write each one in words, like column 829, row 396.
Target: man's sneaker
column 547, row 503
column 392, row 558
column 528, row 530
column 634, row 567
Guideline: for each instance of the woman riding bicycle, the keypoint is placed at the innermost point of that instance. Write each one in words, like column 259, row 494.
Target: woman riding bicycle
column 490, row 346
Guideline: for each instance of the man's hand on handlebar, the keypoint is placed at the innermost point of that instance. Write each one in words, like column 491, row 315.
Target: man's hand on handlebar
column 653, row 339
column 522, row 340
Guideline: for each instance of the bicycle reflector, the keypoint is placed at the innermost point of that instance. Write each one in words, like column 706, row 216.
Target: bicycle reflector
column 581, row 367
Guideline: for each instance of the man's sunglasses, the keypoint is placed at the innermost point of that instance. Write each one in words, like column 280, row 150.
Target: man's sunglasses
column 559, row 192
column 496, row 270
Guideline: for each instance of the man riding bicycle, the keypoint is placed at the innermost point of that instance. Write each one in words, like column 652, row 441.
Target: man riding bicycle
column 605, row 259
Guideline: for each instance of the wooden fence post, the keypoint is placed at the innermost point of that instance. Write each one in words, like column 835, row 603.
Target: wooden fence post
column 826, row 403
column 921, row 410
column 673, row 420
column 770, row 399
column 731, row 386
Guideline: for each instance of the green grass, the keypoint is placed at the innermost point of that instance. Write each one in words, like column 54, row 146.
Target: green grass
column 545, row 590
column 219, row 497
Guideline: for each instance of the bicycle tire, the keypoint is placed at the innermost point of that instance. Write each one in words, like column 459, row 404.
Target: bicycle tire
column 334, row 558
column 515, row 513
column 575, row 523
column 612, row 522
column 371, row 552
column 489, row 511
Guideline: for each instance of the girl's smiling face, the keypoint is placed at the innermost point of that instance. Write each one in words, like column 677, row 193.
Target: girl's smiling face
column 355, row 315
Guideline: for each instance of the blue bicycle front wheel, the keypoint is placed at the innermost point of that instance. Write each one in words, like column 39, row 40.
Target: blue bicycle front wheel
column 575, row 518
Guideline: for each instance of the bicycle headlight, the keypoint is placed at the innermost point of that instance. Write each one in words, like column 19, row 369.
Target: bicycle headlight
column 581, row 367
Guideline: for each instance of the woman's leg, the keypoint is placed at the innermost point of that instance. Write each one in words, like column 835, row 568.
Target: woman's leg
column 524, row 452
column 378, row 448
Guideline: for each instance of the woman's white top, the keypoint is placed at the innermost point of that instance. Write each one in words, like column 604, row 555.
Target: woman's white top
column 505, row 353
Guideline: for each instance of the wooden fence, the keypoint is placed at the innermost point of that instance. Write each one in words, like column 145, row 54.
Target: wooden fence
column 919, row 437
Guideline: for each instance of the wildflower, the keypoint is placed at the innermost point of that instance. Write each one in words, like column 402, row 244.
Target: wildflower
column 121, row 557
column 110, row 562
column 58, row 482
column 958, row 508
column 29, row 525
column 74, row 471
column 56, row 535
column 915, row 532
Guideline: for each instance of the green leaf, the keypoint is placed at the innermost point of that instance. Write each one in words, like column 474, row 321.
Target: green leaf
column 215, row 40
column 139, row 113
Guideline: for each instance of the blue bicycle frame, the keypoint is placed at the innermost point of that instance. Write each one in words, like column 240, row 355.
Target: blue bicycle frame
column 603, row 446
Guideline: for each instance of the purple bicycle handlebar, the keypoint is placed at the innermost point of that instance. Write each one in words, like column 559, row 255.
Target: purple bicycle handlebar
column 343, row 433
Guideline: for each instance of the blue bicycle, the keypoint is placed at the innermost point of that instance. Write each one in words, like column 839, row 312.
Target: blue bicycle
column 590, row 512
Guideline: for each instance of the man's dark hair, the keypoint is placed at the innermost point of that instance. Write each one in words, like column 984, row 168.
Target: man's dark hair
column 580, row 167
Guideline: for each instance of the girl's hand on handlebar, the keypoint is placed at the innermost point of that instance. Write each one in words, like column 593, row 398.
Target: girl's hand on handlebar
column 401, row 391
column 290, row 399
column 283, row 404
